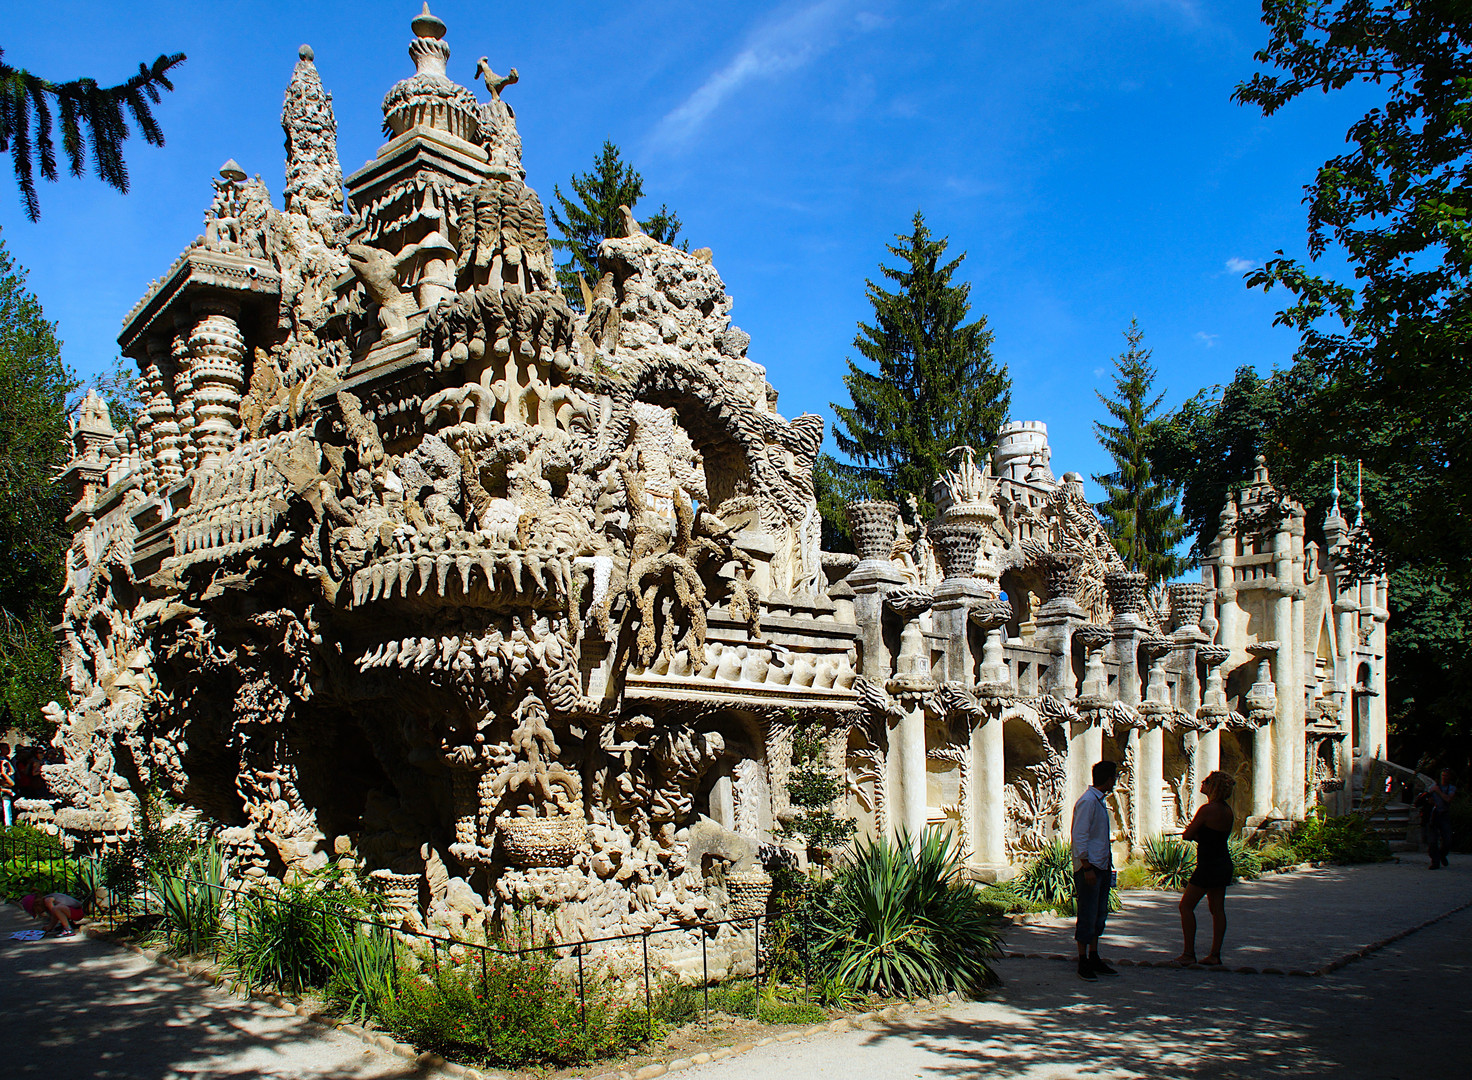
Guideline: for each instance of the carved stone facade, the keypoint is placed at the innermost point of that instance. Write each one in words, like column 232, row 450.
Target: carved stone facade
column 404, row 556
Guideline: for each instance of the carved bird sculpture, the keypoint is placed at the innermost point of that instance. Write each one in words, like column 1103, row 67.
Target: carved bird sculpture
column 494, row 83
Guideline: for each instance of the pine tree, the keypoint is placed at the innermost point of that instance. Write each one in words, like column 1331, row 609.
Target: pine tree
column 1139, row 511
column 82, row 104
column 593, row 217
column 936, row 386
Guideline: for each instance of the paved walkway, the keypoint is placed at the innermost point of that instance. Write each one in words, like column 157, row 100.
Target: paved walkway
column 1300, row 920
column 1403, row 1012
column 77, row 1009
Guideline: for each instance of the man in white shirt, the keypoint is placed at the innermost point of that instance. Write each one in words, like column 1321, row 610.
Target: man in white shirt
column 1093, row 870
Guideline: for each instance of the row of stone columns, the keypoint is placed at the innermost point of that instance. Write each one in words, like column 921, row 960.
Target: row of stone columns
column 192, row 386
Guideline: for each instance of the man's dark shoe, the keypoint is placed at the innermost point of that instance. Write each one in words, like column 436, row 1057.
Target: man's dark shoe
column 1086, row 971
column 1100, row 967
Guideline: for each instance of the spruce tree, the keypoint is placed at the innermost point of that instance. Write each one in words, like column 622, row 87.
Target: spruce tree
column 86, row 110
column 1139, row 511
column 935, row 386
column 592, row 217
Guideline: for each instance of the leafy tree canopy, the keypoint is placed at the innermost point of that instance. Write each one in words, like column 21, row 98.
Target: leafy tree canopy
column 88, row 112
column 591, row 216
column 34, row 385
column 1396, row 205
column 1139, row 510
column 934, row 384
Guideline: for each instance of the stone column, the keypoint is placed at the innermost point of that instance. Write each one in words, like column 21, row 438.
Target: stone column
column 911, row 685
column 183, row 388
column 990, row 786
column 1262, row 708
column 1056, row 620
column 873, row 525
column 1212, row 712
column 992, row 616
column 1150, row 760
column 1126, row 597
column 1085, row 736
column 1285, row 749
column 955, row 545
column 217, row 351
column 1303, row 666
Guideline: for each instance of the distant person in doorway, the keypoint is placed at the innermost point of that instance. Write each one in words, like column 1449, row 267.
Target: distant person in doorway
column 1210, row 828
column 1093, row 870
column 1440, row 840
column 7, row 785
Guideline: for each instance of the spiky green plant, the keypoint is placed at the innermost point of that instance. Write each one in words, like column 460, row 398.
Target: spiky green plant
column 1048, row 878
column 903, row 920
column 1246, row 863
column 190, row 894
column 1171, row 859
column 362, row 957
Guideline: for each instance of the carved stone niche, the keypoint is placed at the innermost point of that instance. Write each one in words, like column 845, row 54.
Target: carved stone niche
column 956, row 544
column 874, row 525
column 1126, row 591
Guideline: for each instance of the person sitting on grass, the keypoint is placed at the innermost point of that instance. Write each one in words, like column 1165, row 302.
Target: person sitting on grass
column 63, row 910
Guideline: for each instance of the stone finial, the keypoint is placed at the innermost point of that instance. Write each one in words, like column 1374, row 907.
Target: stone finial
column 873, row 525
column 1187, row 601
column 956, row 544
column 1126, row 589
column 313, row 173
column 232, row 172
column 427, row 25
column 428, row 98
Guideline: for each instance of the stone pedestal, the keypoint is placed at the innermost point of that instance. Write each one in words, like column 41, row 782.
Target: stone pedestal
column 990, row 786
column 217, row 371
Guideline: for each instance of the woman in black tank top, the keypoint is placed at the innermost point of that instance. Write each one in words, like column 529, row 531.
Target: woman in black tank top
column 1210, row 828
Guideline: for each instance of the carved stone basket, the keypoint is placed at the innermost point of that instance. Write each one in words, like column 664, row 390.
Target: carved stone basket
column 401, row 891
column 747, row 892
column 541, row 842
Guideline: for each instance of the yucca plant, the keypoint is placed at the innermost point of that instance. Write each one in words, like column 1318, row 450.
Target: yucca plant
column 1048, row 878
column 1246, row 863
column 284, row 936
column 190, row 895
column 362, row 957
column 903, row 920
column 1171, row 860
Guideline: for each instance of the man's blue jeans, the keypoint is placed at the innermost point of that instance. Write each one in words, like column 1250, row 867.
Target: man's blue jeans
column 1093, row 905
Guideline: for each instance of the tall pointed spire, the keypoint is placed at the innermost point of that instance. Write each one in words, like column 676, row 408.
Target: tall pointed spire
column 1359, row 494
column 313, row 174
column 1335, row 490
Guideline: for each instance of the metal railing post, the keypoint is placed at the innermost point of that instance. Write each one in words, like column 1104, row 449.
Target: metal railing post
column 648, row 994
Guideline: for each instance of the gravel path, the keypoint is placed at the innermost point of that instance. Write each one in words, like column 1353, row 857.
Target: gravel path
column 76, row 1008
column 1403, row 1012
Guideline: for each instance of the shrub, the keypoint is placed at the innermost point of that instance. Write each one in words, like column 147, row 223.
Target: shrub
column 1135, row 875
column 284, row 936
column 1345, row 839
column 1275, row 855
column 1047, row 881
column 190, row 896
column 903, row 920
column 514, row 1011
column 1246, row 864
column 679, row 1003
column 363, row 960
column 23, row 875
column 1171, row 859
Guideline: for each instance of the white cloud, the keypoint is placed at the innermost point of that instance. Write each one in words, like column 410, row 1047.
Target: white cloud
column 774, row 48
column 1206, row 339
column 1098, row 373
column 1238, row 265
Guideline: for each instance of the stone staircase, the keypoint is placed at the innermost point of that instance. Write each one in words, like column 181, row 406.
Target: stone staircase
column 1398, row 824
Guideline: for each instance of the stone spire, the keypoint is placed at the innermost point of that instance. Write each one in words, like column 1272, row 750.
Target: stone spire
column 428, row 98
column 313, row 174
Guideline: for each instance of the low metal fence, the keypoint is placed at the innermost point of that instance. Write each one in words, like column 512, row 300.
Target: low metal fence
column 61, row 871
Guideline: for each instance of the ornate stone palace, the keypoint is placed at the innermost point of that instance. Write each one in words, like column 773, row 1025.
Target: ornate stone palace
column 406, row 560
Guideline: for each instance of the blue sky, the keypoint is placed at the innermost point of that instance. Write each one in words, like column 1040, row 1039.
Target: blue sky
column 1086, row 156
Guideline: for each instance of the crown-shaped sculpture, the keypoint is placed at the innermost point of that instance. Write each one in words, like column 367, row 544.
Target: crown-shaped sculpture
column 429, row 98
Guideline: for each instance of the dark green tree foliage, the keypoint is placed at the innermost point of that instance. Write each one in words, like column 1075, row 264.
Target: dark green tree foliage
column 934, row 385
column 88, row 112
column 835, row 485
column 814, row 788
column 592, row 216
column 34, row 385
column 1395, row 206
column 119, row 388
column 1139, row 510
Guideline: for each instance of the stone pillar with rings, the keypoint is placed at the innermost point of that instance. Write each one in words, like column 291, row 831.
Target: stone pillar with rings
column 183, row 388
column 217, row 351
column 956, row 544
column 1086, row 734
column 1057, row 617
column 874, row 525
column 911, row 687
column 1262, row 707
column 1211, row 713
column 1150, row 759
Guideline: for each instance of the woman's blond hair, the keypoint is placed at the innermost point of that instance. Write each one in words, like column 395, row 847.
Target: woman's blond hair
column 1220, row 784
